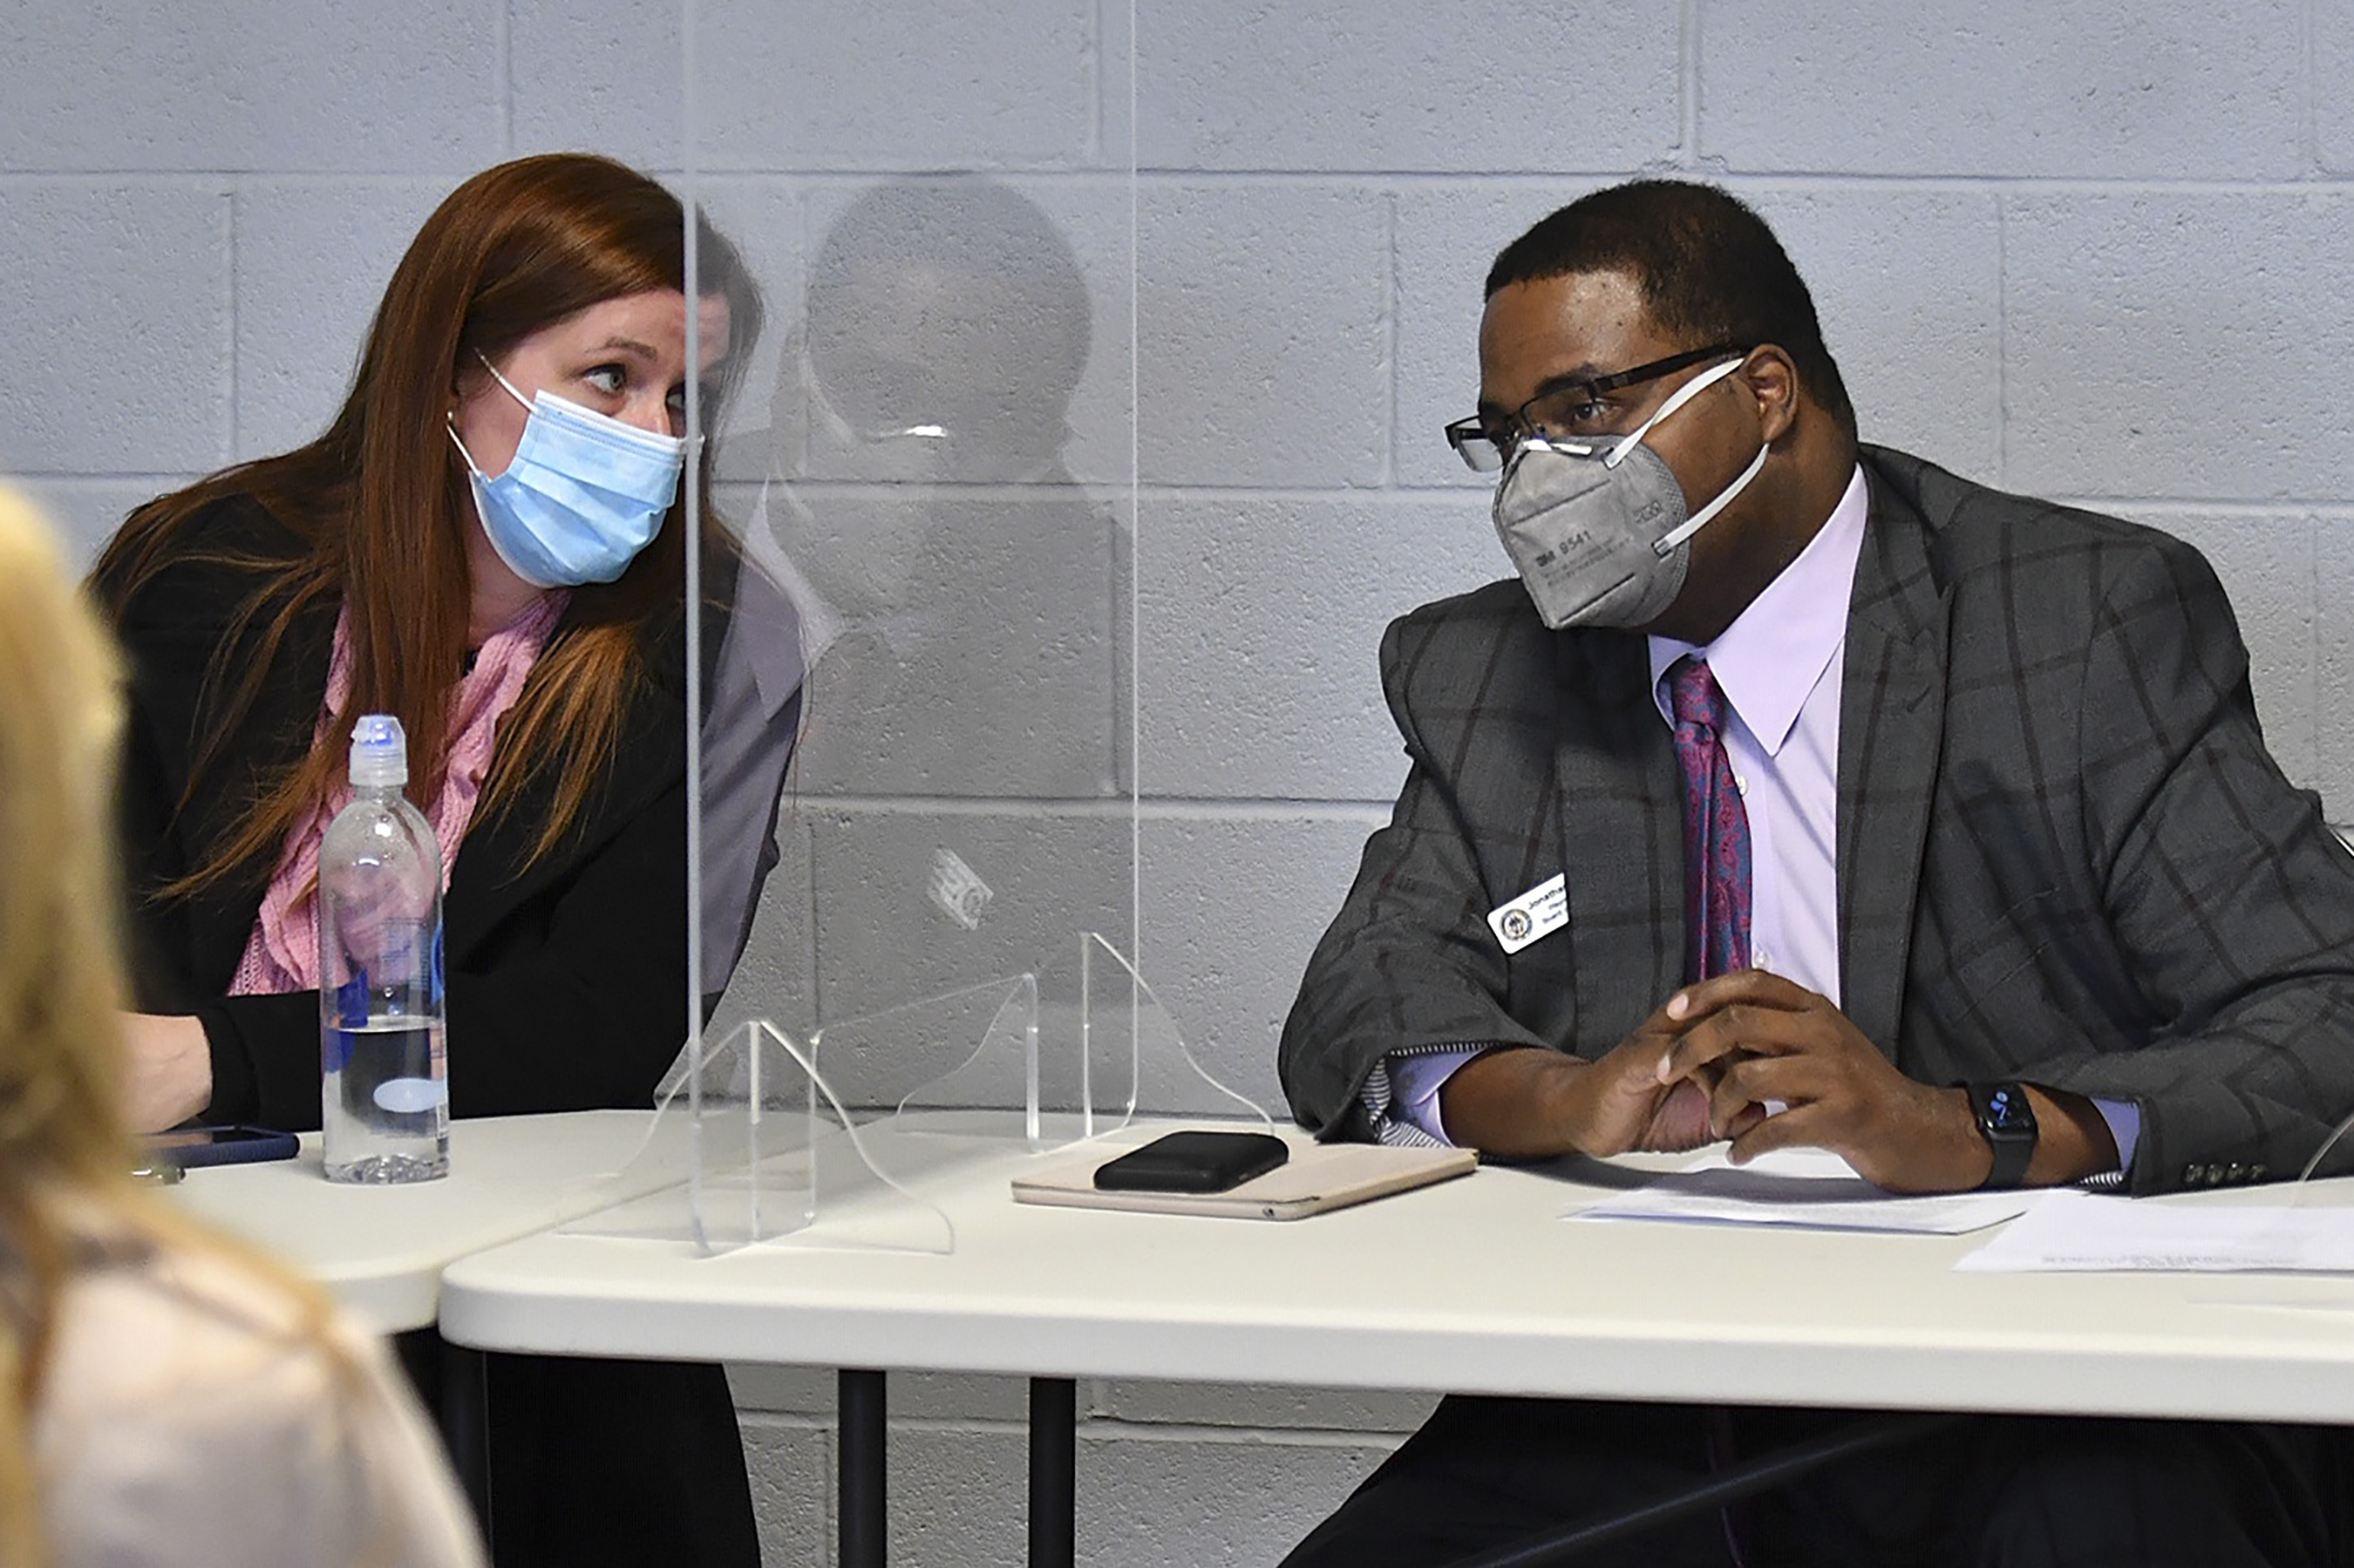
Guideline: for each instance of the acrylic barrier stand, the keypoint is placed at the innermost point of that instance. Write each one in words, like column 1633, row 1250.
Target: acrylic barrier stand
column 747, row 1142
column 830, row 1139
column 914, row 784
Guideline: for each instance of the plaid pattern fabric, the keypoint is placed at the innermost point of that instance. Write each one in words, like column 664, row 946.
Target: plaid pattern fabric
column 2064, row 854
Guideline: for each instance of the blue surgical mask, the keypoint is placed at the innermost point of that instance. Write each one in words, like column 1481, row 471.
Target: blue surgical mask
column 585, row 492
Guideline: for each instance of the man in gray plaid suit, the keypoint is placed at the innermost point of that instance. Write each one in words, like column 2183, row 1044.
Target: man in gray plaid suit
column 2021, row 897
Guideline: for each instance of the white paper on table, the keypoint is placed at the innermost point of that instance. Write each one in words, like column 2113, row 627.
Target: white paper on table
column 2084, row 1232
column 1809, row 1188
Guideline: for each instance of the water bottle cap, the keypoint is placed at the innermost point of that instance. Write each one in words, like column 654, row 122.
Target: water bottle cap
column 379, row 752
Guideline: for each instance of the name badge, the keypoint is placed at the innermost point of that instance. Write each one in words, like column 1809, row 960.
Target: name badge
column 1536, row 914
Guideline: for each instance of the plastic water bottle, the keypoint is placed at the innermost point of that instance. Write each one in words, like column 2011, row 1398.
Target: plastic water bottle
column 384, row 1097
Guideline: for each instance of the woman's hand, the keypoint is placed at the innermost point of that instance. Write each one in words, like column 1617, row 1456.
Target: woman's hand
column 168, row 1070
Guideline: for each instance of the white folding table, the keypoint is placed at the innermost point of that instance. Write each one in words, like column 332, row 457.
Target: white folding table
column 1472, row 1286
column 381, row 1250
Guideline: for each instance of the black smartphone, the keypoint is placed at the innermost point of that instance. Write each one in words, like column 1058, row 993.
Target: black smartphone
column 1192, row 1162
column 193, row 1145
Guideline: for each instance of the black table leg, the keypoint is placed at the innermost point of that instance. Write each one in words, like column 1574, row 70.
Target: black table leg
column 860, row 1467
column 1054, row 1464
column 463, row 1415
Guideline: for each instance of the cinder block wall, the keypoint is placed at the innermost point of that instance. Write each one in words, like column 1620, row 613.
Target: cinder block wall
column 2097, row 250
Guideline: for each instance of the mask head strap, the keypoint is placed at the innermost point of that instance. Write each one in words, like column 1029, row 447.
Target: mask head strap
column 1681, row 396
column 503, row 380
column 450, row 421
column 451, row 418
column 1692, row 525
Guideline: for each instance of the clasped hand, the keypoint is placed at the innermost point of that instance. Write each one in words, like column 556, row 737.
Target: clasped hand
column 1703, row 1066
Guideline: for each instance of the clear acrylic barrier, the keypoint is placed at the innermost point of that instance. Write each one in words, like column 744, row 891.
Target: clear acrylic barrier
column 918, row 813
column 748, row 1145
column 1078, row 1050
column 830, row 1140
column 916, row 563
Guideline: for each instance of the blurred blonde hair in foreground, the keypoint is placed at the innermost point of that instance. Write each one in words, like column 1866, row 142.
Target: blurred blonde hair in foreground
column 60, row 975
column 60, row 979
column 134, row 1345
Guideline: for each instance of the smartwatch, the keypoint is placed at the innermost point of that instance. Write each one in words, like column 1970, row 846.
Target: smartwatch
column 2008, row 1124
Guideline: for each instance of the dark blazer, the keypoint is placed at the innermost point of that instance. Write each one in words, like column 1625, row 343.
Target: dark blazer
column 2064, row 854
column 566, row 980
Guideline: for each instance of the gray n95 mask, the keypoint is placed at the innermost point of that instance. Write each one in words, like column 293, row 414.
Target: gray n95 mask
column 1597, row 525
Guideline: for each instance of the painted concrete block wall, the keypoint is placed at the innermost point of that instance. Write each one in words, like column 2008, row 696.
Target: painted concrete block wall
column 2092, row 249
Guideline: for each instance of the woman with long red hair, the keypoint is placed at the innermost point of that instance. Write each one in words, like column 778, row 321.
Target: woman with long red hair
column 488, row 542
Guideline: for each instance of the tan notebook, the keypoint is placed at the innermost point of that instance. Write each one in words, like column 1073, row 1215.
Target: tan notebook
column 1315, row 1179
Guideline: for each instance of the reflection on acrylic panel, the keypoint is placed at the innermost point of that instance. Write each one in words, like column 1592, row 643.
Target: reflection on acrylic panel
column 948, row 610
column 972, row 606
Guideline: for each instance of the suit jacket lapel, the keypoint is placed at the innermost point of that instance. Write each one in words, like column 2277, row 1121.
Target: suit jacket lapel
column 1891, row 725
column 1621, row 833
column 490, row 879
column 277, row 732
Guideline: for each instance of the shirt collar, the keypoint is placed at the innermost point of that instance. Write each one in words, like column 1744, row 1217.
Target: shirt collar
column 1775, row 651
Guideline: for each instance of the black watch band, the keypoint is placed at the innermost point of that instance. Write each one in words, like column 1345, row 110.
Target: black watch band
column 2006, row 1122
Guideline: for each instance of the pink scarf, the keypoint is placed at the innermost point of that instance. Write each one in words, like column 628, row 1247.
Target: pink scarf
column 282, row 954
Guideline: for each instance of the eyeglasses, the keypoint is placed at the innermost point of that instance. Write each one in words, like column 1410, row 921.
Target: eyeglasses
column 1484, row 445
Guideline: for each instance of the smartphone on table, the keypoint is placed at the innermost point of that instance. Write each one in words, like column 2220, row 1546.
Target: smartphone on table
column 188, row 1147
column 1192, row 1162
